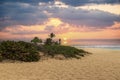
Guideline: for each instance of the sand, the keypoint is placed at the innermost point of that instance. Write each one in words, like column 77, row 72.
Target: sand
column 103, row 64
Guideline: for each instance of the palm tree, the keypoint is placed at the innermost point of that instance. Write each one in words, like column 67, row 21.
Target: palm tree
column 52, row 35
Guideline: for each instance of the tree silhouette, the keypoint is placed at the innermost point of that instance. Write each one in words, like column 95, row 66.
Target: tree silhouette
column 36, row 40
column 52, row 35
column 48, row 41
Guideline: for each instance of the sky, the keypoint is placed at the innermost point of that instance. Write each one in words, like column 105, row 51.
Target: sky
column 68, row 19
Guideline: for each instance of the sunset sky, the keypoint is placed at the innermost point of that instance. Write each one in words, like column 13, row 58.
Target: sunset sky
column 68, row 19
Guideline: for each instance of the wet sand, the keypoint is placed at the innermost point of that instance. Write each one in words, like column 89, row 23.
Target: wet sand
column 103, row 64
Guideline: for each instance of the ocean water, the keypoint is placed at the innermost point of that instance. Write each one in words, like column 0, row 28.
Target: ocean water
column 98, row 43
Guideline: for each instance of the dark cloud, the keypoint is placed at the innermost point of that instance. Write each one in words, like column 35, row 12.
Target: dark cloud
column 34, row 2
column 23, row 13
column 68, row 2
column 92, row 18
column 20, row 14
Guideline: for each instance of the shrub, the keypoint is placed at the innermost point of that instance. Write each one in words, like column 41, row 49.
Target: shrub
column 1, row 55
column 36, row 40
column 1, row 58
column 48, row 41
column 67, row 51
column 22, row 51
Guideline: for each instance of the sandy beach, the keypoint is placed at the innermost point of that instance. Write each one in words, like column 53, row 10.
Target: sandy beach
column 103, row 64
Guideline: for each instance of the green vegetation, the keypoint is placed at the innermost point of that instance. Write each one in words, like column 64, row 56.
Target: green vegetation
column 28, row 52
column 22, row 51
column 36, row 40
column 1, row 58
column 0, row 55
column 66, row 51
column 50, row 41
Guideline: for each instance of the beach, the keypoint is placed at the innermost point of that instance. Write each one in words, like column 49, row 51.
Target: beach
column 102, row 64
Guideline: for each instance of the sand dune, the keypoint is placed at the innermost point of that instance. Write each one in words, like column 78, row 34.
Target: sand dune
column 103, row 64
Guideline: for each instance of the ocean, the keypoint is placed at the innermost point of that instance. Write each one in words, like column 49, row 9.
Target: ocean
column 98, row 43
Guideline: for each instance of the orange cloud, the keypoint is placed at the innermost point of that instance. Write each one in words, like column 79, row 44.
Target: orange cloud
column 53, row 22
column 62, row 30
column 111, row 32
column 115, row 26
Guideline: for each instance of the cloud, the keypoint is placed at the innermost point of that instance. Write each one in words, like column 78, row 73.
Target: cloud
column 24, row 13
column 21, row 14
column 63, row 30
column 29, row 18
column 48, row 28
column 116, row 26
column 114, row 9
column 84, row 2
column 32, row 2
column 68, row 2
column 81, row 17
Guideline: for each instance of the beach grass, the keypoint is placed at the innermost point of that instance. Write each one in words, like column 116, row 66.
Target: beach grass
column 66, row 51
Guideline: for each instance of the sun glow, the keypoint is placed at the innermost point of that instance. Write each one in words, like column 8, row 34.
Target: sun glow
column 65, row 38
column 54, row 22
column 65, row 42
